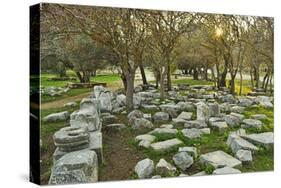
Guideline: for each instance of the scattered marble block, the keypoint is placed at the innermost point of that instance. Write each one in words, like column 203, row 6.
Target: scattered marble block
column 262, row 139
column 167, row 126
column 164, row 131
column 245, row 156
column 70, row 139
column 251, row 123
column 220, row 126
column 161, row 117
column 183, row 160
column 144, row 168
column 75, row 167
column 198, row 124
column 190, row 150
column 70, row 104
column 164, row 169
column 156, row 177
column 226, row 170
column 259, row 116
column 115, row 127
column 147, row 137
column 144, row 144
column 60, row 116
column 219, row 159
column 178, row 122
column 205, row 131
column 192, row 133
column 165, row 145
column 96, row 144
column 185, row 115
column 240, row 143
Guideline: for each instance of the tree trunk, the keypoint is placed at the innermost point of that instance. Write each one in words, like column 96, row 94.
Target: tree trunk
column 144, row 80
column 218, row 75
column 169, row 82
column 224, row 73
column 252, row 80
column 80, row 77
column 130, row 78
column 232, row 85
column 195, row 74
column 163, row 73
column 124, row 80
column 241, row 82
column 257, row 75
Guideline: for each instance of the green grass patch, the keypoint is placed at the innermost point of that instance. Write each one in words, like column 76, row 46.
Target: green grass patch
column 268, row 124
column 192, row 82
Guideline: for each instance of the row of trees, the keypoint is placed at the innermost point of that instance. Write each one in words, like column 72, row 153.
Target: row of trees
column 86, row 38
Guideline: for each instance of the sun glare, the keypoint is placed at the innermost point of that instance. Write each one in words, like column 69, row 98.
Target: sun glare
column 219, row 32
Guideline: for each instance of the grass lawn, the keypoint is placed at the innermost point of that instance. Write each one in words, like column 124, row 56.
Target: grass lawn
column 108, row 79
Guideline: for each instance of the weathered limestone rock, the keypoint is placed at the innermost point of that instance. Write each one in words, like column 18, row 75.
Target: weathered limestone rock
column 203, row 113
column 221, row 126
column 172, row 109
column 156, row 177
column 186, row 106
column 251, row 123
column 165, row 145
column 98, row 90
column 151, row 107
column 225, row 107
column 179, row 122
column 105, row 102
column 190, row 150
column 164, row 131
column 163, row 168
column 140, row 123
column 263, row 139
column 240, row 143
column 205, row 131
column 161, row 117
column 229, row 99
column 198, row 124
column 134, row 115
column 144, row 144
column 95, row 144
column 259, row 116
column 87, row 116
column 115, row 126
column 147, row 137
column 110, row 119
column 75, row 167
column 185, row 115
column 264, row 101
column 214, row 109
column 192, row 133
column 245, row 156
column 183, row 160
column 60, row 116
column 226, row 170
column 167, row 126
column 71, row 139
column 121, row 99
column 245, row 102
column 144, row 168
column 234, row 119
column 219, row 159
column 147, row 116
column 234, row 135
column 237, row 109
column 70, row 104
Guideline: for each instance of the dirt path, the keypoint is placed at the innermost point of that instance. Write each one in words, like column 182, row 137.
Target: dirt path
column 119, row 156
column 59, row 103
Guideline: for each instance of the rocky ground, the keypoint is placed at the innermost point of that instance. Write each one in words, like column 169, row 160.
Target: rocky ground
column 196, row 130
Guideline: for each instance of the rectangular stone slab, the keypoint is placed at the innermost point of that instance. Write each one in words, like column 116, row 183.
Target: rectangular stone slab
column 95, row 143
column 219, row 159
column 165, row 145
column 264, row 139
